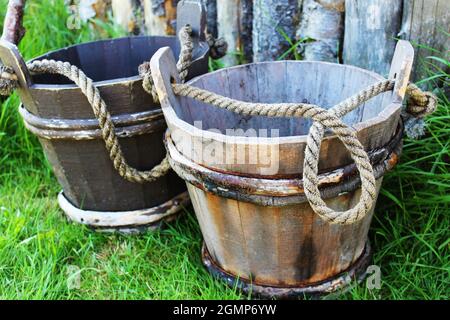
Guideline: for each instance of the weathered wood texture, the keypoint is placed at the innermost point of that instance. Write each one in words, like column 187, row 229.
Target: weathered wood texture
column 375, row 121
column 273, row 22
column 274, row 243
column 427, row 22
column 362, row 33
column 13, row 30
column 323, row 22
column 81, row 162
column 370, row 31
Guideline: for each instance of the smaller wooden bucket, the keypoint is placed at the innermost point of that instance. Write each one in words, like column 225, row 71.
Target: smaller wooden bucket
column 56, row 111
column 259, row 230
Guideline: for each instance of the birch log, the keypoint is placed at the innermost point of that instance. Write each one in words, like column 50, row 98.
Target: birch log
column 13, row 30
column 234, row 24
column 160, row 16
column 128, row 14
column 323, row 22
column 370, row 31
column 426, row 22
column 273, row 20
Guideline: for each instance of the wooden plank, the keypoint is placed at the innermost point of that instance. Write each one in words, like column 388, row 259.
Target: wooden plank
column 426, row 22
column 370, row 31
column 322, row 21
column 272, row 19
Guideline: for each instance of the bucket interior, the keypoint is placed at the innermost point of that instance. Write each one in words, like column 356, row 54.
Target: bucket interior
column 109, row 59
column 323, row 84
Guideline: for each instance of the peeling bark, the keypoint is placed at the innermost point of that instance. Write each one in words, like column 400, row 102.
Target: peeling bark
column 272, row 18
column 323, row 22
column 370, row 31
column 13, row 30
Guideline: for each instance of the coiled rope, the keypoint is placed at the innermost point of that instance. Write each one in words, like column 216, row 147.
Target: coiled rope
column 322, row 119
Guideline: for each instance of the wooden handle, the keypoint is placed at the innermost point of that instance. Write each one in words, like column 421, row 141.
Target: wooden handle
column 11, row 57
column 164, row 72
column 13, row 30
column 401, row 67
column 193, row 13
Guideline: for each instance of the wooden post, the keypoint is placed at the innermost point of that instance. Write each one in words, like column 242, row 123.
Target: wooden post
column 371, row 28
column 426, row 22
column 322, row 21
column 273, row 20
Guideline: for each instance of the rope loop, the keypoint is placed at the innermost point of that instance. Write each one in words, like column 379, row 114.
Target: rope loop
column 217, row 47
column 184, row 62
column 8, row 80
column 322, row 119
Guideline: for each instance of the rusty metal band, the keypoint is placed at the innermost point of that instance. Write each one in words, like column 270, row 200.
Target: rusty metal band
column 127, row 125
column 340, row 282
column 281, row 192
column 125, row 220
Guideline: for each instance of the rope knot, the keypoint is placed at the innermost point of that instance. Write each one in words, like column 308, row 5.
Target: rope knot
column 420, row 103
column 217, row 47
column 8, row 81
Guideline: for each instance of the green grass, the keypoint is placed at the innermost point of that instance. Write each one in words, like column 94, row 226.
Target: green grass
column 410, row 232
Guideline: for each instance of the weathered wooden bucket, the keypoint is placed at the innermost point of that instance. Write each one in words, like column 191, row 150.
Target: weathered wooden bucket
column 259, row 230
column 57, row 112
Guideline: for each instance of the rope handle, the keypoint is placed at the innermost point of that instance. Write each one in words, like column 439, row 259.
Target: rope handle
column 9, row 81
column 424, row 103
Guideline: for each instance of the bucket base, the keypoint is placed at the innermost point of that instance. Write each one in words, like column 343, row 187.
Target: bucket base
column 126, row 222
column 341, row 282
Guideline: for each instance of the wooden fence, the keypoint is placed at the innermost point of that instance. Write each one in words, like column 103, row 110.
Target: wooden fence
column 357, row 32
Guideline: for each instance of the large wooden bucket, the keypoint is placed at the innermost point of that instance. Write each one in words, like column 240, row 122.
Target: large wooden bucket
column 259, row 231
column 57, row 112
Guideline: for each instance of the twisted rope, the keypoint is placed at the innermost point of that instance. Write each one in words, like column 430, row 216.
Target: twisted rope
column 217, row 47
column 106, row 124
column 322, row 118
column 8, row 81
column 184, row 62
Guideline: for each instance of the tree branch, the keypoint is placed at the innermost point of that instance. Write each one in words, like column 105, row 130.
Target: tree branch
column 13, row 30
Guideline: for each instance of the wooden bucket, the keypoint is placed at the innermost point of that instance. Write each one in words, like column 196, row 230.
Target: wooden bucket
column 260, row 232
column 57, row 112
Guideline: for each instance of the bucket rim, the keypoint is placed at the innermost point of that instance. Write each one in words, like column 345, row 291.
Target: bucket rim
column 390, row 110
column 199, row 54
